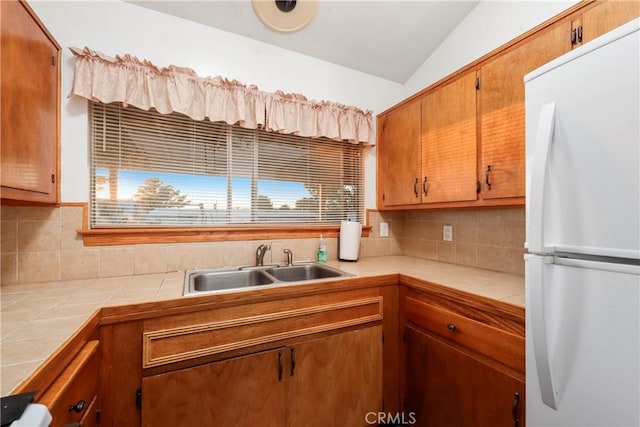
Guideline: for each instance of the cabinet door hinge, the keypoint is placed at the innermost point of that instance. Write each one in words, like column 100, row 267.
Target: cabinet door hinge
column 576, row 35
column 53, row 178
column 139, row 398
column 477, row 83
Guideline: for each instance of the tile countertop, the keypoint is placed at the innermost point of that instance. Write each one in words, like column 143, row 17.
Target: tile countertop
column 37, row 318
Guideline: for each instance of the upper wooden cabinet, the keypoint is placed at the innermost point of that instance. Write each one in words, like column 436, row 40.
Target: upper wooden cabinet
column 30, row 93
column 427, row 148
column 449, row 147
column 602, row 17
column 501, row 111
column 464, row 165
column 399, row 156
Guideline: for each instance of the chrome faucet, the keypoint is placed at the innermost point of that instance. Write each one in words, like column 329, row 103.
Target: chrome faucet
column 262, row 249
column 289, row 255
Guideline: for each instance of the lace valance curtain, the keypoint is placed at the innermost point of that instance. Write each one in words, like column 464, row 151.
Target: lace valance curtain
column 131, row 81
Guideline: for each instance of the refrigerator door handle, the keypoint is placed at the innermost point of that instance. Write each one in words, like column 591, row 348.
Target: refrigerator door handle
column 540, row 161
column 539, row 334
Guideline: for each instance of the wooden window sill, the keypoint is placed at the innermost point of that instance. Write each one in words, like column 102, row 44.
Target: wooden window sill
column 133, row 236
column 130, row 236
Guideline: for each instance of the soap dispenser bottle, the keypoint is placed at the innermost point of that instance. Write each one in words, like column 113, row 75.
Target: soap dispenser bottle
column 322, row 251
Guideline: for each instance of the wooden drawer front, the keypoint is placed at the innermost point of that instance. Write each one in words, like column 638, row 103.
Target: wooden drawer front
column 187, row 342
column 500, row 345
column 74, row 393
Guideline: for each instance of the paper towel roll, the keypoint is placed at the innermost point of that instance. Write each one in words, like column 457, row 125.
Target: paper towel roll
column 349, row 240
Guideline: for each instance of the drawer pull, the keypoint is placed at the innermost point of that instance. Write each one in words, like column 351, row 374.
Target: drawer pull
column 452, row 327
column 78, row 407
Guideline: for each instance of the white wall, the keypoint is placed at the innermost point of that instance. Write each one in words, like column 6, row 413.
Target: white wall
column 115, row 27
column 489, row 25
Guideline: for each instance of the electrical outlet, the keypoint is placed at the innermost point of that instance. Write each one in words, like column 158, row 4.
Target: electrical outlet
column 447, row 233
column 384, row 229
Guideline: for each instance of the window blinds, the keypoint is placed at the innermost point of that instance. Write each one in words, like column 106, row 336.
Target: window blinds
column 156, row 170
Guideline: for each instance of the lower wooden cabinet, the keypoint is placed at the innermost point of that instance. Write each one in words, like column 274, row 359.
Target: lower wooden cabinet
column 447, row 387
column 330, row 381
column 242, row 391
column 464, row 359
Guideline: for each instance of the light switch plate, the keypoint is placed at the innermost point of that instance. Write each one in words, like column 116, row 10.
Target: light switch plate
column 447, row 233
column 384, row 229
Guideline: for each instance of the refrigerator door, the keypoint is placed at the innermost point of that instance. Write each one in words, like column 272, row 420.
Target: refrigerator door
column 583, row 150
column 591, row 335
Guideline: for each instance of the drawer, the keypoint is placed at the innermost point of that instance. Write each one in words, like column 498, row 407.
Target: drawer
column 500, row 345
column 183, row 337
column 73, row 395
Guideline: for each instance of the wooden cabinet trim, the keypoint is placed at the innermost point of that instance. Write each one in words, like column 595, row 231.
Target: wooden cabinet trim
column 161, row 347
column 160, row 309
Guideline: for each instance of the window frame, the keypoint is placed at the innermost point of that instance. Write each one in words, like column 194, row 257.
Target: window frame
column 228, row 232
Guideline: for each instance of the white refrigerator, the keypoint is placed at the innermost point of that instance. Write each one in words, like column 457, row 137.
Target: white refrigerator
column 582, row 270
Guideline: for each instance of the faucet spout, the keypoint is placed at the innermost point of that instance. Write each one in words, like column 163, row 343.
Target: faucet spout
column 289, row 255
column 262, row 249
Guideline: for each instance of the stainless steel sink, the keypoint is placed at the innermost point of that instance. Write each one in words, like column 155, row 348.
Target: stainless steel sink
column 296, row 273
column 212, row 280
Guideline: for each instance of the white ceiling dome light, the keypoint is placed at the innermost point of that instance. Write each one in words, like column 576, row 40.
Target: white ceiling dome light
column 285, row 15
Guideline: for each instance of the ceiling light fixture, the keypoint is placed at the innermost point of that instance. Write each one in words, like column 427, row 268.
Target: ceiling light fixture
column 285, row 16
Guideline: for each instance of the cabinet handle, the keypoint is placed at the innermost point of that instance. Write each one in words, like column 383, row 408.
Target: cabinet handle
column 514, row 409
column 452, row 327
column 78, row 407
column 425, row 190
column 280, row 366
column 574, row 36
column 415, row 187
column 486, row 177
column 293, row 360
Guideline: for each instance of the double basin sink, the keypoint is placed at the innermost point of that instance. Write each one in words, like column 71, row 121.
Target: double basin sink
column 212, row 280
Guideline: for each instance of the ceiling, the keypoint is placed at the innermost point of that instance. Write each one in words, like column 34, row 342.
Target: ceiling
column 384, row 38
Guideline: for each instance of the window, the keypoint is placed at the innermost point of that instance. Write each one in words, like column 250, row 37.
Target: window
column 156, row 170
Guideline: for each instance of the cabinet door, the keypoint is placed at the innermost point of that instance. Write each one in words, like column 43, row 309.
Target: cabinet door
column 604, row 17
column 399, row 156
column 29, row 93
column 502, row 122
column 449, row 145
column 336, row 380
column 445, row 387
column 243, row 391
